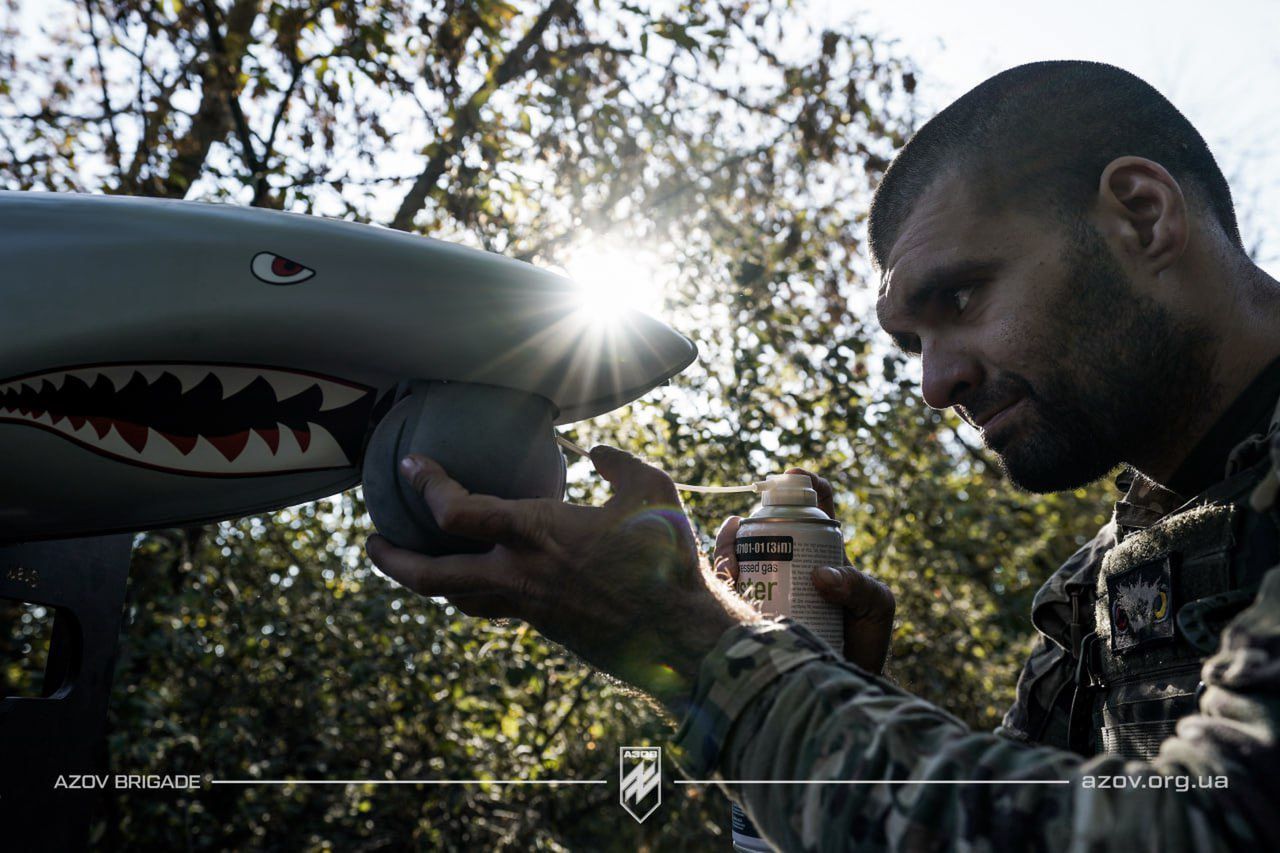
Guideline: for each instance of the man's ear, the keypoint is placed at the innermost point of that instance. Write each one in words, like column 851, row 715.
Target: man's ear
column 1144, row 210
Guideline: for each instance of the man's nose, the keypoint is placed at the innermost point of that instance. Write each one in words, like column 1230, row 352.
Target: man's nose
column 949, row 373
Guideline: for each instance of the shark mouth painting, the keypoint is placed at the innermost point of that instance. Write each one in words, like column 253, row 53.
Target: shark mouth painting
column 218, row 420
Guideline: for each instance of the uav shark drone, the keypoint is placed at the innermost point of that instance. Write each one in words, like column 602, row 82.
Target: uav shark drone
column 168, row 362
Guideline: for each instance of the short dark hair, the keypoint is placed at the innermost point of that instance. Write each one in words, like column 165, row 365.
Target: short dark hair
column 1048, row 129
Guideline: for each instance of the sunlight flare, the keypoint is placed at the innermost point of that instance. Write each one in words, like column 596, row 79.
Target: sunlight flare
column 615, row 280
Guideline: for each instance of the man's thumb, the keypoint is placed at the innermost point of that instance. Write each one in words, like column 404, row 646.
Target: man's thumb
column 832, row 583
column 862, row 596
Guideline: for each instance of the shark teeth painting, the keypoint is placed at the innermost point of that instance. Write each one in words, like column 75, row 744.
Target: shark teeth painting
column 214, row 420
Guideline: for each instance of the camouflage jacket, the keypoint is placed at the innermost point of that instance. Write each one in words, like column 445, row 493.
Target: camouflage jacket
column 773, row 702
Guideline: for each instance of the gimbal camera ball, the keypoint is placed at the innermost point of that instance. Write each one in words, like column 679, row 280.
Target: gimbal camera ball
column 492, row 440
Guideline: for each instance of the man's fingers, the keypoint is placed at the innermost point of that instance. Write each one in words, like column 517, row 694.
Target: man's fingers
column 634, row 482
column 826, row 494
column 481, row 517
column 484, row 606
column 455, row 575
column 868, row 613
column 723, row 560
column 437, row 576
column 862, row 596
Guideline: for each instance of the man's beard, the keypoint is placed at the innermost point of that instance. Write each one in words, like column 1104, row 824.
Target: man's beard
column 1121, row 373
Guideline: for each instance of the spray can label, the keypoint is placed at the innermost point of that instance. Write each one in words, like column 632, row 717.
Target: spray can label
column 776, row 561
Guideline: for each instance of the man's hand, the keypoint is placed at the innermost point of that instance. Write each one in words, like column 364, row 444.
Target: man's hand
column 620, row 584
column 868, row 604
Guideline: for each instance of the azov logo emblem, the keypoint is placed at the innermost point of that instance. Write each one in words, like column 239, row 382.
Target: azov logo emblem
column 640, row 775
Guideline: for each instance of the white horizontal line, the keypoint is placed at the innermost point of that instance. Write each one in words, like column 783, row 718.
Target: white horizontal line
column 874, row 781
column 409, row 782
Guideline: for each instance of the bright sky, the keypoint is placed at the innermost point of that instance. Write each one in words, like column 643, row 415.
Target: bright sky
column 1218, row 62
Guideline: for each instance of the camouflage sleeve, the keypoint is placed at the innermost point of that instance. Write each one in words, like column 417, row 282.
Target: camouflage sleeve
column 772, row 702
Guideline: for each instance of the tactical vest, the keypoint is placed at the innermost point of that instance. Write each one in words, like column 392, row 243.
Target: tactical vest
column 1162, row 598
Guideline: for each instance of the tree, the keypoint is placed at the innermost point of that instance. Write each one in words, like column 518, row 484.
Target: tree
column 738, row 142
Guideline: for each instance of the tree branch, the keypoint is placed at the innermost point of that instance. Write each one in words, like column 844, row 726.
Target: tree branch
column 152, row 123
column 208, row 125
column 113, row 141
column 282, row 107
column 659, row 202
column 466, row 119
column 238, row 24
column 579, row 692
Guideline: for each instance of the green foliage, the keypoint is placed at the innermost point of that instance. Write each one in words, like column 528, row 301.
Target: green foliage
column 269, row 649
column 735, row 142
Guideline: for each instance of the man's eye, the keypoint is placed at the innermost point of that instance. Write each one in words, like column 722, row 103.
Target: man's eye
column 960, row 296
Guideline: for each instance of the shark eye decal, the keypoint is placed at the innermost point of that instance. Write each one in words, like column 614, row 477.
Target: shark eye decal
column 274, row 269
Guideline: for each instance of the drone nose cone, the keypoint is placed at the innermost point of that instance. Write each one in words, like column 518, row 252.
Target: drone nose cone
column 209, row 361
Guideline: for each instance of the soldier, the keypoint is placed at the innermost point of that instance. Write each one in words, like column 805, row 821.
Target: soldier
column 1061, row 250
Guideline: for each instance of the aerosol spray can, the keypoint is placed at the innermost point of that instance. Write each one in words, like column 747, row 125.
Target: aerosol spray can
column 778, row 548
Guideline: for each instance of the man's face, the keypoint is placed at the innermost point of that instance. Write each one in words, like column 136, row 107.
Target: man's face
column 1030, row 328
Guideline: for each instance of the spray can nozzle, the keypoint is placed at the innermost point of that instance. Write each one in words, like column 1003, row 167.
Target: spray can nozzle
column 788, row 490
